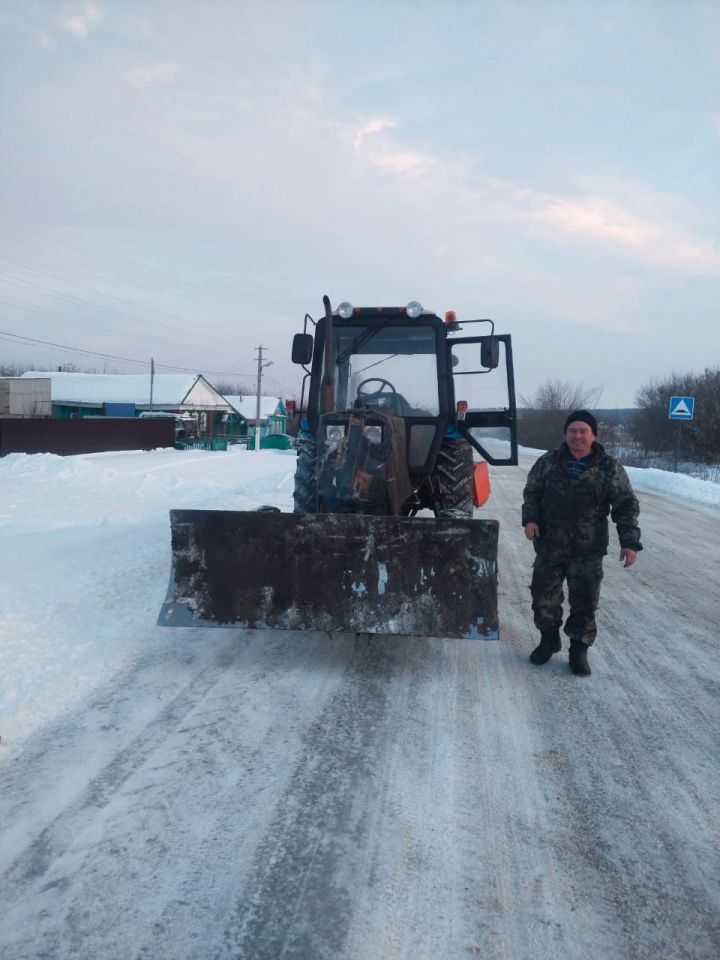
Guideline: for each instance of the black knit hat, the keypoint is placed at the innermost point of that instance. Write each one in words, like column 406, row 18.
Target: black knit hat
column 585, row 416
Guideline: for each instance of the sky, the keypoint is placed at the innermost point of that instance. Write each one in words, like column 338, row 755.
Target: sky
column 185, row 180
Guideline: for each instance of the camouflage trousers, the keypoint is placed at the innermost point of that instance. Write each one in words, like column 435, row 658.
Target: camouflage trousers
column 583, row 575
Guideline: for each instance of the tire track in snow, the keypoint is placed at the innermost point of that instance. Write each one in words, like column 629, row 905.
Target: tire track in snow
column 36, row 858
column 299, row 899
column 173, row 842
column 406, row 798
column 629, row 805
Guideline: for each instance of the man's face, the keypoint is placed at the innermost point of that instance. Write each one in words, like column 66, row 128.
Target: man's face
column 579, row 437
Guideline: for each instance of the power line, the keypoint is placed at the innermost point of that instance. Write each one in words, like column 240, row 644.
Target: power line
column 69, row 298
column 97, row 306
column 7, row 335
column 278, row 384
column 43, row 311
column 15, row 337
column 54, row 315
column 83, row 286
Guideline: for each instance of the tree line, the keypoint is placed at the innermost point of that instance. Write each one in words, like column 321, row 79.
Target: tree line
column 701, row 435
column 646, row 428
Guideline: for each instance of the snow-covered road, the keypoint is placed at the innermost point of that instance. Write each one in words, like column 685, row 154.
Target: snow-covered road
column 200, row 793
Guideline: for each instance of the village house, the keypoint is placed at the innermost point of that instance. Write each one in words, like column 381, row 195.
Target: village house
column 273, row 419
column 130, row 395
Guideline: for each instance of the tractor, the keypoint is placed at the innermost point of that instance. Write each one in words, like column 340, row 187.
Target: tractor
column 400, row 414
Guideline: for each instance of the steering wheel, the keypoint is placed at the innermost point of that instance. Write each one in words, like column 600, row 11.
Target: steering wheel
column 374, row 394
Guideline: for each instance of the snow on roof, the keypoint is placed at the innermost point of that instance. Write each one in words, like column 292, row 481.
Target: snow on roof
column 169, row 389
column 247, row 406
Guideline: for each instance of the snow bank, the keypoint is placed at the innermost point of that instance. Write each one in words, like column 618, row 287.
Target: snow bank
column 676, row 485
column 85, row 561
column 679, row 486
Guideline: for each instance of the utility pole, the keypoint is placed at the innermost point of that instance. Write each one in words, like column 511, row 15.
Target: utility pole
column 677, row 445
column 152, row 378
column 261, row 365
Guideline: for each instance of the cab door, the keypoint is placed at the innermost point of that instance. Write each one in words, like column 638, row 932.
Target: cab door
column 484, row 389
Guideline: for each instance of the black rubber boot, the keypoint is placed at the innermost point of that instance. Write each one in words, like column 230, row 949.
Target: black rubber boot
column 578, row 659
column 549, row 644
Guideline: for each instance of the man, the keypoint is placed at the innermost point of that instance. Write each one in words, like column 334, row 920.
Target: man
column 568, row 496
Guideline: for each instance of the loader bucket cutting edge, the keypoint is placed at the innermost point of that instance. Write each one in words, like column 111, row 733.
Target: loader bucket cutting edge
column 333, row 572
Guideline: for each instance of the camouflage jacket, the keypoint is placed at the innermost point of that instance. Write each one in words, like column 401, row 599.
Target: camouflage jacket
column 573, row 516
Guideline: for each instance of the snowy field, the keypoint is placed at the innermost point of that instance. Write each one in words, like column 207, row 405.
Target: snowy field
column 85, row 556
column 214, row 793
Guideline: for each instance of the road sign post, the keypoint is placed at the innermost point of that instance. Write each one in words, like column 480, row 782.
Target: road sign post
column 680, row 408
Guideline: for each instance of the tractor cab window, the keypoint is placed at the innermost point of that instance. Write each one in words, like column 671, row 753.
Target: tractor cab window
column 392, row 368
column 483, row 391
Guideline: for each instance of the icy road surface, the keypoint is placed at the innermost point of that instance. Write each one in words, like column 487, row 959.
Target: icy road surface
column 217, row 793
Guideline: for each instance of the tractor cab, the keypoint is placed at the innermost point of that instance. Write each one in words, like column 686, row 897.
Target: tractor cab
column 410, row 363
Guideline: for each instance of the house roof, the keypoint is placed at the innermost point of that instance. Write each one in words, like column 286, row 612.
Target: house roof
column 247, row 407
column 191, row 391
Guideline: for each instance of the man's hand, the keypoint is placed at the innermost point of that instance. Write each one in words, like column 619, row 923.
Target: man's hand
column 532, row 531
column 628, row 555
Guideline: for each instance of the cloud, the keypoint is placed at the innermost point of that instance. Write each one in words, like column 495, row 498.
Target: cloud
column 375, row 125
column 157, row 73
column 386, row 155
column 80, row 24
column 652, row 229
column 656, row 243
column 597, row 218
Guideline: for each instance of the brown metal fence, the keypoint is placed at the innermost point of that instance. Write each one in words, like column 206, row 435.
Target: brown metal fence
column 87, row 435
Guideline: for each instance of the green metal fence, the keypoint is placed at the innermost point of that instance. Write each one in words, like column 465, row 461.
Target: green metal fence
column 211, row 443
column 272, row 441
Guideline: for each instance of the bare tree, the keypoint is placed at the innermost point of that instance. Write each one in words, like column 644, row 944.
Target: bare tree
column 14, row 369
column 540, row 423
column 230, row 388
column 653, row 428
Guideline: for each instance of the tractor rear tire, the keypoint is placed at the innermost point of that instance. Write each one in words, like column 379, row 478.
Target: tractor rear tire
column 305, row 494
column 454, row 475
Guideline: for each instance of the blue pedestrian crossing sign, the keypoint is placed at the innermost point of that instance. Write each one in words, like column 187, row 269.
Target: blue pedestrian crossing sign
column 681, row 408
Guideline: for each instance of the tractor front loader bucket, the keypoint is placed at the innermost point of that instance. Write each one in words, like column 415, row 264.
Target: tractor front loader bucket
column 334, row 572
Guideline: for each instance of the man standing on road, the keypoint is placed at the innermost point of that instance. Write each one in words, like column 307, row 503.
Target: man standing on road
column 568, row 496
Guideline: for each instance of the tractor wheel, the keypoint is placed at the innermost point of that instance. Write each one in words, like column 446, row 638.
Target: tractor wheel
column 454, row 477
column 305, row 494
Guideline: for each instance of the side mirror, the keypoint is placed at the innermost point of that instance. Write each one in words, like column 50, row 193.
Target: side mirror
column 490, row 352
column 302, row 348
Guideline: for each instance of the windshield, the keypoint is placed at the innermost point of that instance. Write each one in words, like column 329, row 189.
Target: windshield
column 390, row 367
